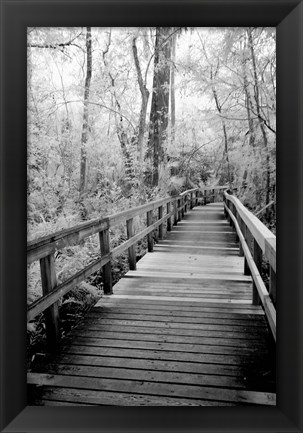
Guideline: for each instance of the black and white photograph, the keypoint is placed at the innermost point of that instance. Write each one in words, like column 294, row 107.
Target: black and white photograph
column 151, row 216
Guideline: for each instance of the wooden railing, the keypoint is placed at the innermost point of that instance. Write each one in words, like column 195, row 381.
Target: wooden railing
column 44, row 249
column 258, row 245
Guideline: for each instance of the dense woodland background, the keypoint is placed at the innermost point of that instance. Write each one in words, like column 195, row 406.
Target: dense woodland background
column 118, row 117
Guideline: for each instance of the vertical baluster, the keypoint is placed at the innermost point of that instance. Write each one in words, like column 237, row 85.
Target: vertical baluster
column 179, row 211
column 175, row 213
column 272, row 284
column 191, row 200
column 107, row 272
column 205, row 197
column 131, row 250
column 246, row 234
column 169, row 218
column 150, row 242
column 241, row 225
column 197, row 197
column 257, row 255
column 182, row 204
column 160, row 215
column 49, row 282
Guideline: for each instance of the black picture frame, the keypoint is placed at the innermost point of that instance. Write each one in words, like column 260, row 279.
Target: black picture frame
column 287, row 16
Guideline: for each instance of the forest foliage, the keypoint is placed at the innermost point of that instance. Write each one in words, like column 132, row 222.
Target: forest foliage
column 121, row 116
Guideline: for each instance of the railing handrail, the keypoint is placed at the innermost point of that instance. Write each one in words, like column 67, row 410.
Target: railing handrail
column 264, row 242
column 265, row 238
column 71, row 236
column 45, row 245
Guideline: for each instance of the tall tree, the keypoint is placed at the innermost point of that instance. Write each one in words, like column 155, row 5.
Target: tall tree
column 258, row 111
column 172, row 87
column 84, row 136
column 144, row 101
column 159, row 104
column 219, row 108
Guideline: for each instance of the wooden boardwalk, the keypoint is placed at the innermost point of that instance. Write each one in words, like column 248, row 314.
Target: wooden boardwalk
column 180, row 330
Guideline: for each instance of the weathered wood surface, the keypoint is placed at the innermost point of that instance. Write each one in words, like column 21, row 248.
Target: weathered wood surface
column 181, row 330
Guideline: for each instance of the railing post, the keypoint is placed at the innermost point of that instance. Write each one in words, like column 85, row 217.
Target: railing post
column 191, row 200
column 182, row 204
column 179, row 211
column 205, row 193
column 175, row 213
column 149, row 221
column 49, row 282
column 241, row 225
column 169, row 218
column 197, row 197
column 160, row 215
column 131, row 250
column 107, row 272
column 272, row 284
column 213, row 195
column 246, row 237
column 239, row 220
column 257, row 255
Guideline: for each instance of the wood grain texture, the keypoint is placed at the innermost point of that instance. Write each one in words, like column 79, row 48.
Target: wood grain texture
column 181, row 330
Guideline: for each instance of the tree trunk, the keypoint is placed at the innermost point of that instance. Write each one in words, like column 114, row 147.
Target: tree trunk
column 85, row 110
column 258, row 109
column 160, row 104
column 172, row 88
column 219, row 108
column 144, row 102
column 248, row 101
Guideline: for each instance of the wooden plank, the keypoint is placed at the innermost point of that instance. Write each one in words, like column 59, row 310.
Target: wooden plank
column 207, row 296
column 184, row 299
column 172, row 302
column 218, row 319
column 154, row 365
column 160, row 280
column 141, row 272
column 203, row 293
column 55, row 396
column 232, row 337
column 251, row 352
column 121, row 352
column 189, row 391
column 46, row 402
column 148, row 375
column 128, row 334
column 177, row 309
column 175, row 325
